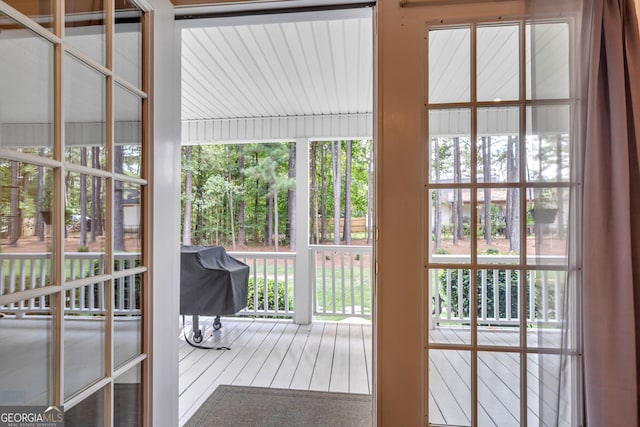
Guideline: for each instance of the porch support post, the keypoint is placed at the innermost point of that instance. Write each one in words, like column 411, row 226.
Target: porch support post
column 302, row 292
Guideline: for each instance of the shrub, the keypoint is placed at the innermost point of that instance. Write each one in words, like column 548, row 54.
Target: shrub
column 271, row 306
column 489, row 297
column 83, row 248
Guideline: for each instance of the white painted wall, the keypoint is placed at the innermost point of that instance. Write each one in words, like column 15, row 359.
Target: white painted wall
column 166, row 226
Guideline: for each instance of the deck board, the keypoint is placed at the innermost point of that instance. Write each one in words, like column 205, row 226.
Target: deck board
column 302, row 378
column 321, row 377
column 273, row 362
column 340, row 369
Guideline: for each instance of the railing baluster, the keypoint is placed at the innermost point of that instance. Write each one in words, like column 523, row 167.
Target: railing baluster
column 496, row 293
column 324, row 282
column 532, row 296
column 362, row 285
column 545, row 293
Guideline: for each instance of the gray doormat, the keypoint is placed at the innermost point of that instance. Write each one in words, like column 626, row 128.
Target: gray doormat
column 233, row 406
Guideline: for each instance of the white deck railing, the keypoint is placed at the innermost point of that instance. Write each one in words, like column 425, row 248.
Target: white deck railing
column 450, row 291
column 271, row 277
column 342, row 280
column 25, row 271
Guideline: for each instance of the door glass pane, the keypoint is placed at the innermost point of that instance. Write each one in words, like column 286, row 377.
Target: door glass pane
column 450, row 387
column 26, row 226
column 547, row 60
column 450, row 296
column 127, row 323
column 127, row 398
column 128, row 132
column 40, row 11
column 548, row 143
column 548, row 402
column 498, row 389
column 449, row 145
column 498, row 149
column 127, row 220
column 498, row 64
column 85, row 107
column 499, row 306
column 546, row 308
column 85, row 240
column 84, row 337
column 450, row 217
column 85, row 27
column 449, row 65
column 498, row 225
column 27, row 337
column 89, row 412
column 547, row 225
column 26, row 88
column 127, row 45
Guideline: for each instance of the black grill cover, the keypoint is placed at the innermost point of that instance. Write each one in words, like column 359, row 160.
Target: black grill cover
column 212, row 283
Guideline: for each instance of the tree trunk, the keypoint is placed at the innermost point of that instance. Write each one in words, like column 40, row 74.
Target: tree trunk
column 513, row 196
column 275, row 220
column 486, row 172
column 336, row 148
column 39, row 226
column 231, row 218
column 291, row 196
column 14, row 224
column 256, row 203
column 458, row 226
column 437, row 210
column 83, row 199
column 560, row 190
column 96, row 199
column 241, row 205
column 314, row 193
column 347, row 195
column 118, row 208
column 188, row 196
column 268, row 231
column 323, row 195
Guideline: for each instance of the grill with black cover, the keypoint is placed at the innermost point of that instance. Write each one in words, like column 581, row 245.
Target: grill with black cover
column 212, row 283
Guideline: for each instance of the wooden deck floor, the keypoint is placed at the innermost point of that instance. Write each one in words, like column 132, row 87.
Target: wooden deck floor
column 337, row 357
column 324, row 356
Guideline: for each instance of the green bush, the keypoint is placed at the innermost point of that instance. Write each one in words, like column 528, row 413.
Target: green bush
column 271, row 306
column 489, row 297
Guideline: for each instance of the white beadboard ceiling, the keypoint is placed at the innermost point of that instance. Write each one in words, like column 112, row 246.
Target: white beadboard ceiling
column 276, row 66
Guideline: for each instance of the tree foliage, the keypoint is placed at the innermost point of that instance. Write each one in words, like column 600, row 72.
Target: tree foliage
column 248, row 188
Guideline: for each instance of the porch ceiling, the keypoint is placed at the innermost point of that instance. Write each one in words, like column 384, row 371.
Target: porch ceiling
column 278, row 66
